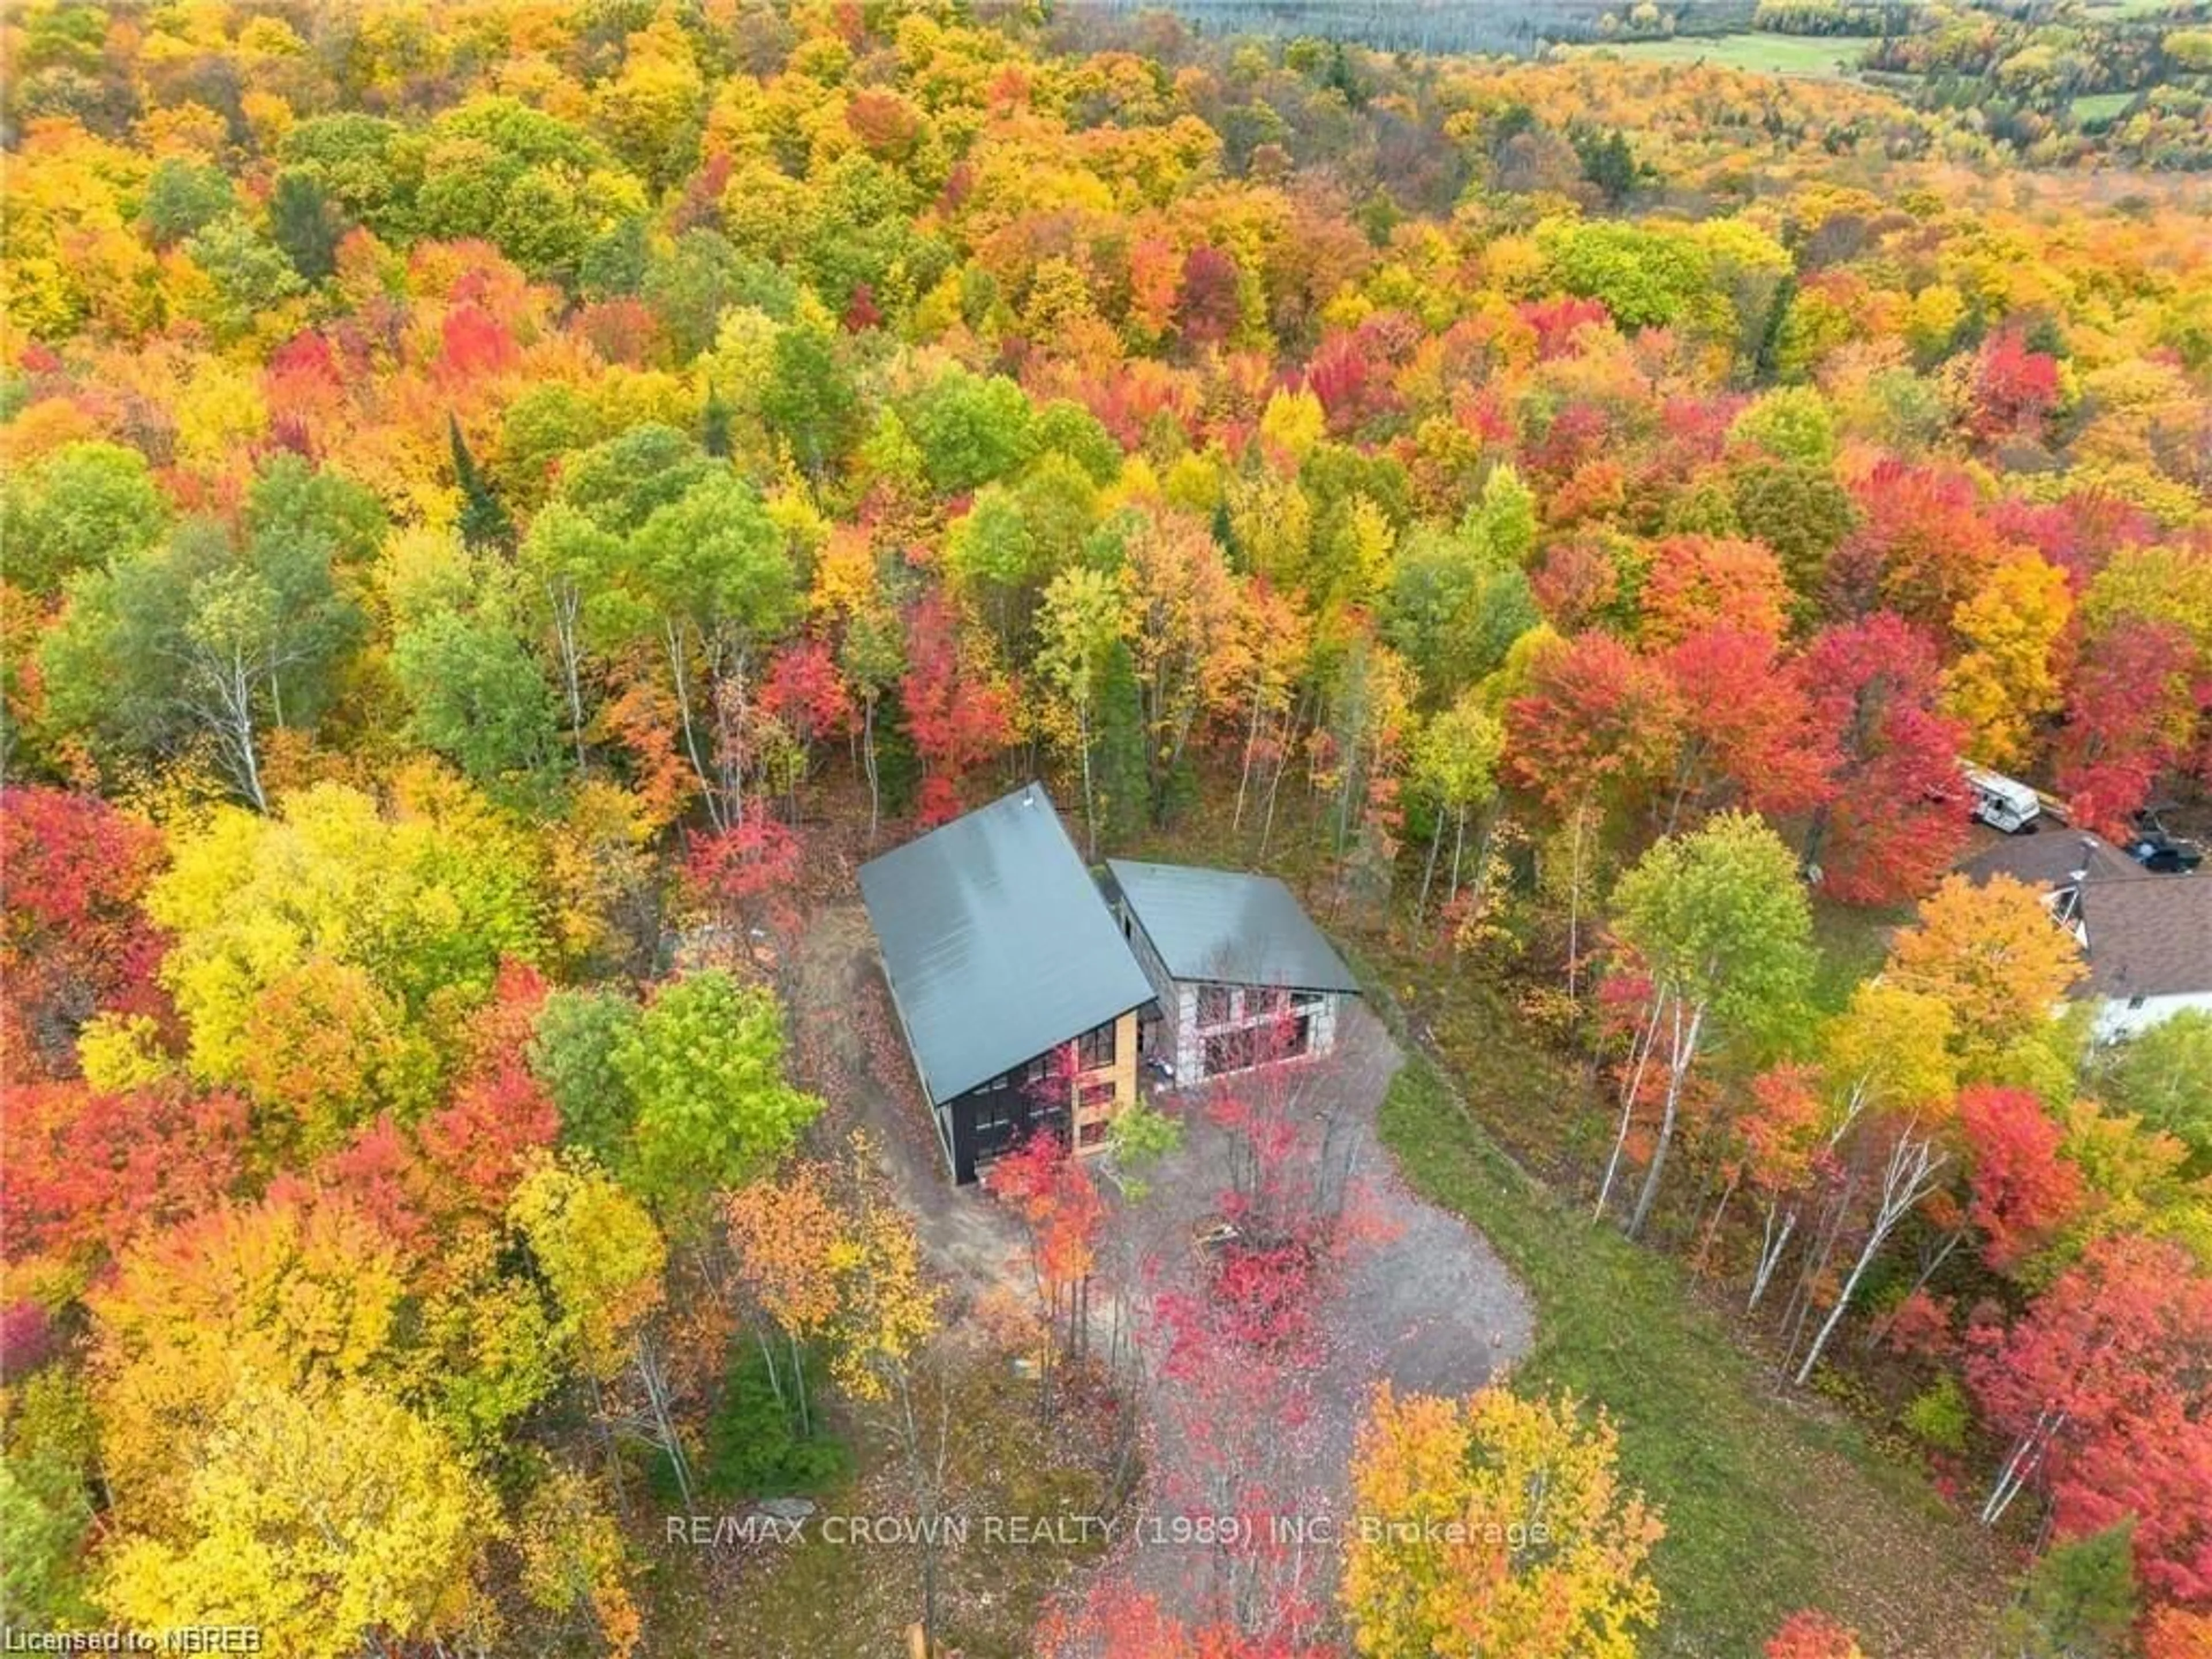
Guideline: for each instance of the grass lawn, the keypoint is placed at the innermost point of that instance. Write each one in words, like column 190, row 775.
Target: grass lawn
column 1825, row 58
column 1852, row 944
column 2100, row 106
column 1772, row 1503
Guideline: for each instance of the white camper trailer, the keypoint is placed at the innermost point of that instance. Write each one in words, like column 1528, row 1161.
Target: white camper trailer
column 2001, row 802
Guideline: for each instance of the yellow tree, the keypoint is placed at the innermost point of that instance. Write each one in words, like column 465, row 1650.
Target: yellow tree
column 888, row 1308
column 1183, row 612
column 887, row 1314
column 1085, row 617
column 786, row 1231
column 573, row 1554
column 331, row 1523
column 603, row 1260
column 2008, row 678
column 1994, row 955
column 299, row 1296
column 1494, row 1525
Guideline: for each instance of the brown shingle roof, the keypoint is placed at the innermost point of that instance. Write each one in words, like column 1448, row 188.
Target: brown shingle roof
column 2051, row 858
column 2150, row 936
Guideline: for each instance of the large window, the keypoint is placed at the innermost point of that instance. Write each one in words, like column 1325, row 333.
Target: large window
column 994, row 1112
column 1213, row 1004
column 1257, row 1045
column 1095, row 1047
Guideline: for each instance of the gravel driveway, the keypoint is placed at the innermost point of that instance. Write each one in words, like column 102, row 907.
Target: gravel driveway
column 1415, row 1297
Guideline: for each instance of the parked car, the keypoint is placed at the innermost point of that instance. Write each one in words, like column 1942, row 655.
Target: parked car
column 2157, row 849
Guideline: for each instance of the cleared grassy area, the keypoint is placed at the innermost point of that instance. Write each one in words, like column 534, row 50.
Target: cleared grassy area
column 1772, row 1503
column 1852, row 942
column 2106, row 10
column 2100, row 106
column 1822, row 58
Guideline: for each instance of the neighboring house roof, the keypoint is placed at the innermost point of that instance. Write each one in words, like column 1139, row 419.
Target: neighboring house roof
column 2149, row 936
column 996, row 942
column 2051, row 858
column 1228, row 928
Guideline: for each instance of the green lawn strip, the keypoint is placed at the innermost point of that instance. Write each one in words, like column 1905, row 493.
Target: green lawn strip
column 1820, row 56
column 2100, row 106
column 1702, row 1430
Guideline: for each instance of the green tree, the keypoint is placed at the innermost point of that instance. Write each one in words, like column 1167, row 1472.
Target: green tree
column 1455, row 767
column 704, row 1063
column 303, row 223
column 1645, row 277
column 371, row 167
column 1800, row 512
column 2163, row 1074
column 572, row 1053
column 477, row 695
column 85, row 505
column 483, row 522
column 45, row 1501
column 202, row 637
column 714, row 575
column 248, row 275
column 183, row 199
column 2079, row 1602
column 1718, row 922
column 570, row 565
column 810, row 401
column 1793, row 425
column 969, row 430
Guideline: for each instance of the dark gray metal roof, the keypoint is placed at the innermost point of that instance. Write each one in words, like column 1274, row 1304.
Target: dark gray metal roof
column 1229, row 927
column 996, row 941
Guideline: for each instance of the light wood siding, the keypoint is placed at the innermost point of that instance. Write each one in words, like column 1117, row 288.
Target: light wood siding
column 1120, row 1076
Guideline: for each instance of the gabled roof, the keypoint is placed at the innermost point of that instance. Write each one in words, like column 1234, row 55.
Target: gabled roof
column 2053, row 857
column 996, row 942
column 1228, row 928
column 2149, row 937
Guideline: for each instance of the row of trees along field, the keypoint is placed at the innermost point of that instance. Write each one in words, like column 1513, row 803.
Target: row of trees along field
column 489, row 485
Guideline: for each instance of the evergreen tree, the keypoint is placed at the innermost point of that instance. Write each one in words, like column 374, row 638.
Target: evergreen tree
column 1119, row 754
column 302, row 222
column 484, row 522
column 2079, row 1601
column 715, row 424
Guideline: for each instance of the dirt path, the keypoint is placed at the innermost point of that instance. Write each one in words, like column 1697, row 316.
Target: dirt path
column 842, row 1011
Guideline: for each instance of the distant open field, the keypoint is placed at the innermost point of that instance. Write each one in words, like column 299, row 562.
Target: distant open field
column 2105, row 10
column 1828, row 57
column 2101, row 106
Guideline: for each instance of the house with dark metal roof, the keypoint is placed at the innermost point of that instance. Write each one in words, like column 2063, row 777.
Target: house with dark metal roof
column 1242, row 974
column 1015, row 988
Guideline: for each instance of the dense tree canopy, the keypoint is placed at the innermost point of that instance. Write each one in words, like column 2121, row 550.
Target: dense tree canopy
column 505, row 507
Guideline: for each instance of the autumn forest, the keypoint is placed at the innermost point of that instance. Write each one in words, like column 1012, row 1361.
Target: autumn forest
column 504, row 506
